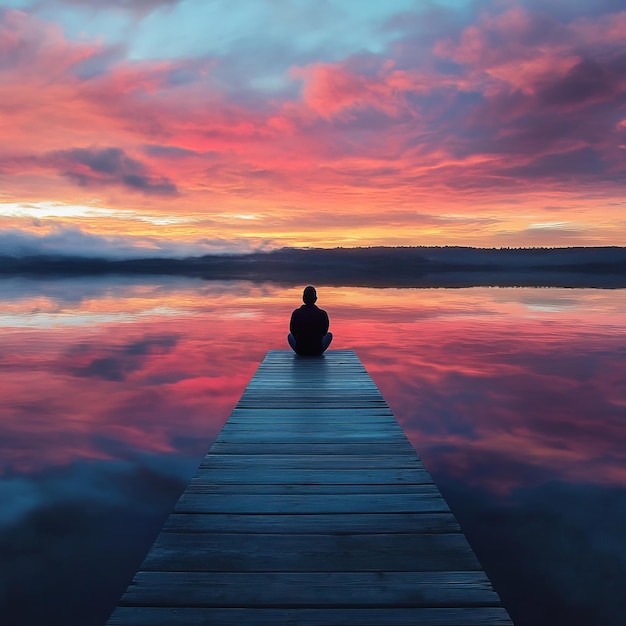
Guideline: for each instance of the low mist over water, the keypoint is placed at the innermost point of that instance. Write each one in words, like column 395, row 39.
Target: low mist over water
column 112, row 389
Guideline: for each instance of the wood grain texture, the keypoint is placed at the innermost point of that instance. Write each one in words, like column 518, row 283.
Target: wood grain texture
column 252, row 552
column 313, row 523
column 315, row 476
column 311, row 508
column 372, row 616
column 334, row 589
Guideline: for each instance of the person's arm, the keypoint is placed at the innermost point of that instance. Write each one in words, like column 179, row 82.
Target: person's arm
column 292, row 325
column 326, row 323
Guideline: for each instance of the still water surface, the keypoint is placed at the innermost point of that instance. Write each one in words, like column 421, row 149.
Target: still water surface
column 112, row 390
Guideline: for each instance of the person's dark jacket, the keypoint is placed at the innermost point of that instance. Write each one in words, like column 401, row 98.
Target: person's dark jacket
column 308, row 325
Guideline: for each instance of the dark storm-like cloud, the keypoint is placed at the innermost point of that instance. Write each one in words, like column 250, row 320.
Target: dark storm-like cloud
column 589, row 80
column 154, row 344
column 119, row 362
column 108, row 166
column 169, row 152
column 106, row 368
column 584, row 162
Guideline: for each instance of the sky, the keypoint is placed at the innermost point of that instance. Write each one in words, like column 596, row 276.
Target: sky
column 177, row 127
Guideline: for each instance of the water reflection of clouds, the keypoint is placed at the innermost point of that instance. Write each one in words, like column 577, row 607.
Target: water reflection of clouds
column 580, row 304
column 548, row 299
column 118, row 295
column 65, row 519
column 554, row 550
column 549, row 404
column 240, row 314
column 128, row 384
column 522, row 423
column 39, row 319
column 62, row 292
column 104, row 421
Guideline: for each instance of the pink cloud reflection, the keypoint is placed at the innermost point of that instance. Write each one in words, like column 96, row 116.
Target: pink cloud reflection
column 96, row 392
column 503, row 387
column 503, row 405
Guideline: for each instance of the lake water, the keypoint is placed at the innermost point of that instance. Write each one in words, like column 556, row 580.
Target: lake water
column 112, row 390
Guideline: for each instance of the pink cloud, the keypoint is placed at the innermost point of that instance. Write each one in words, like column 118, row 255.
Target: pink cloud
column 518, row 50
column 36, row 47
column 332, row 88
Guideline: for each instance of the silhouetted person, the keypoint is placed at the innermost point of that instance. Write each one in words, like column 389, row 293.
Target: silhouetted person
column 308, row 328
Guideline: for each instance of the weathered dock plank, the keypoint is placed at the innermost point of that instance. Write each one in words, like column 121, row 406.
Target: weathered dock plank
column 271, row 476
column 372, row 616
column 339, row 589
column 346, row 503
column 311, row 508
column 313, row 523
column 252, row 552
column 326, row 449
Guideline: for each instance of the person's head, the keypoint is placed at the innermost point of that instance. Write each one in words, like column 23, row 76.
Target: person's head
column 310, row 295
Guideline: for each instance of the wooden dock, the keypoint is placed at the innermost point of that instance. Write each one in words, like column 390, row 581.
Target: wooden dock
column 312, row 509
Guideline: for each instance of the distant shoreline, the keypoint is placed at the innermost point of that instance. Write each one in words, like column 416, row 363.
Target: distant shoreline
column 603, row 267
